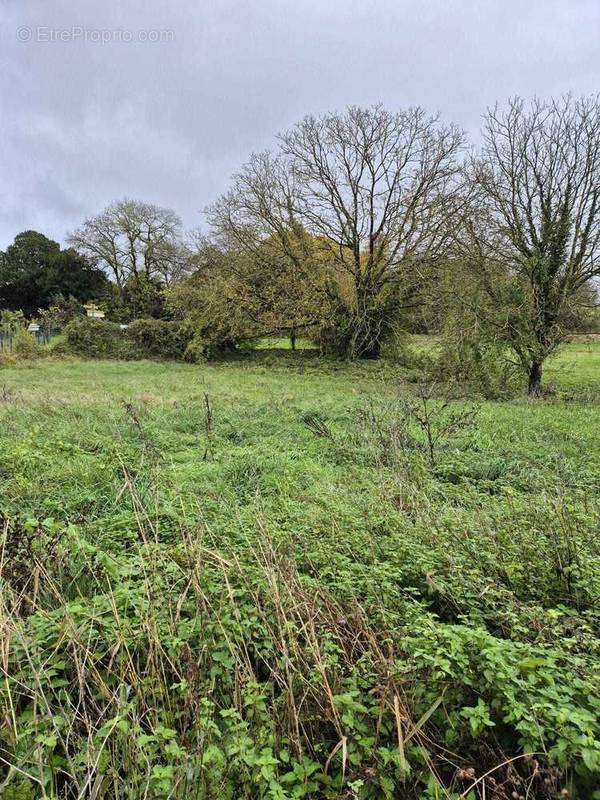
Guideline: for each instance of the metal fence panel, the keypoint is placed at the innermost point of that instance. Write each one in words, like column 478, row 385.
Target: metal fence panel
column 6, row 339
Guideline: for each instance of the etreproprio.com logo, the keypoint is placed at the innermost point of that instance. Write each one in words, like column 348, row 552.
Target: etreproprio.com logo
column 79, row 33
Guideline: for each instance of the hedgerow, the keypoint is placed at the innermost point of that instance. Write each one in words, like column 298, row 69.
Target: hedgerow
column 143, row 338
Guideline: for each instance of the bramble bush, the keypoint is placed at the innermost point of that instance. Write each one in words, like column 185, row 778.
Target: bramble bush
column 144, row 338
column 94, row 338
column 207, row 676
column 158, row 338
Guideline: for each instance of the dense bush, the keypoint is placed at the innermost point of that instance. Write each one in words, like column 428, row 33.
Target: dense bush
column 344, row 336
column 141, row 297
column 11, row 321
column 158, row 338
column 215, row 315
column 196, row 350
column 481, row 366
column 25, row 346
column 144, row 338
column 60, row 312
column 95, row 338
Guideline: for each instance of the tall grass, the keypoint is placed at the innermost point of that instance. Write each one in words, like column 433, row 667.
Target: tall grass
column 250, row 581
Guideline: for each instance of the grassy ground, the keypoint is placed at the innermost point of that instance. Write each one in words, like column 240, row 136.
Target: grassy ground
column 248, row 579
column 279, row 343
column 577, row 364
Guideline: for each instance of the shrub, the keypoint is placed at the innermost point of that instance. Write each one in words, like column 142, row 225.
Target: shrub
column 207, row 344
column 144, row 338
column 350, row 333
column 7, row 359
column 25, row 346
column 477, row 360
column 332, row 338
column 196, row 350
column 60, row 312
column 11, row 321
column 98, row 339
column 157, row 338
column 483, row 367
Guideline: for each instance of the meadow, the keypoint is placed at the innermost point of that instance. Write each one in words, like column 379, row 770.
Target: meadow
column 252, row 579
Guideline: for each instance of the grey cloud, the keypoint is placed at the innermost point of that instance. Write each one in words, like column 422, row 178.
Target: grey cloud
column 85, row 123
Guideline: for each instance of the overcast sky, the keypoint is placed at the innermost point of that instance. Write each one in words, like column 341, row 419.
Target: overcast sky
column 162, row 100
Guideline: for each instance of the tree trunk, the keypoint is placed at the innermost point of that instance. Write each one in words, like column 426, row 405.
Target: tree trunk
column 372, row 352
column 534, row 387
column 365, row 328
column 293, row 339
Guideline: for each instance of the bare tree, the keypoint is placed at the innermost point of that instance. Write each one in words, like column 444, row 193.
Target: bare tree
column 130, row 238
column 375, row 189
column 535, row 220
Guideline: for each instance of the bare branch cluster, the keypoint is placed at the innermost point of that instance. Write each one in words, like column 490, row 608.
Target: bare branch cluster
column 132, row 238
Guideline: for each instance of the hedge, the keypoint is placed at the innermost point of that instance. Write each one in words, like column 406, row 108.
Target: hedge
column 144, row 338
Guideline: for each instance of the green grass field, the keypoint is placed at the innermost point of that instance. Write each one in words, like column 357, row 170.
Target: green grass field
column 246, row 579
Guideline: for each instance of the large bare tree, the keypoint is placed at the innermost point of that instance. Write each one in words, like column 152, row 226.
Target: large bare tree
column 374, row 188
column 131, row 238
column 535, row 221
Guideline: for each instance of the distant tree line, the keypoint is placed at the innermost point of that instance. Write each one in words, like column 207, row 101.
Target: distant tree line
column 359, row 225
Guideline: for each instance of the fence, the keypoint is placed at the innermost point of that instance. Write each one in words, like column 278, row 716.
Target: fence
column 6, row 339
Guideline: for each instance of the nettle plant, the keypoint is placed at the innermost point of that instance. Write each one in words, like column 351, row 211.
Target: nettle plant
column 183, row 672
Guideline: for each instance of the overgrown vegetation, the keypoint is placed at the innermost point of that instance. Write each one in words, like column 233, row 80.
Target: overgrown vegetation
column 292, row 578
column 144, row 338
